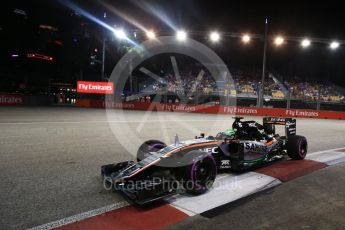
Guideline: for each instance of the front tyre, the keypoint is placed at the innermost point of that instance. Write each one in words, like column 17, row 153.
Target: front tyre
column 147, row 147
column 200, row 175
column 297, row 147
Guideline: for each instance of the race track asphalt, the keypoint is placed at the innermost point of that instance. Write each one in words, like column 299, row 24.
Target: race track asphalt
column 50, row 157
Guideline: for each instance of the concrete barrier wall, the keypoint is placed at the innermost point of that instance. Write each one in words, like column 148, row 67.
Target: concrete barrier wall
column 215, row 109
column 11, row 100
column 24, row 100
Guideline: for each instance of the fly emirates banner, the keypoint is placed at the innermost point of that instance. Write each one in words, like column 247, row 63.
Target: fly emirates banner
column 95, row 87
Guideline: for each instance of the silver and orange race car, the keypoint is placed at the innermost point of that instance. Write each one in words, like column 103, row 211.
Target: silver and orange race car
column 192, row 165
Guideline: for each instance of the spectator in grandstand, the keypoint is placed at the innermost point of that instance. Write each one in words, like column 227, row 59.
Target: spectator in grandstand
column 247, row 82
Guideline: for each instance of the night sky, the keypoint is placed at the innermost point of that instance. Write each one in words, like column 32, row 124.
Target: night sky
column 288, row 18
column 299, row 18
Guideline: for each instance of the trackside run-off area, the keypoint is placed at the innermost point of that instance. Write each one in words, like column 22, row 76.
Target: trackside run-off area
column 50, row 161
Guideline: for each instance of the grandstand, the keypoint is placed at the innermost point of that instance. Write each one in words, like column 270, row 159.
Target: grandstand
column 247, row 84
column 277, row 91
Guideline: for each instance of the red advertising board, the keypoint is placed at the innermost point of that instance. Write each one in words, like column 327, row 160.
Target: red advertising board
column 95, row 87
column 215, row 109
column 8, row 99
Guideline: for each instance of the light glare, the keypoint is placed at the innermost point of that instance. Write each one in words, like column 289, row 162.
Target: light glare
column 120, row 33
column 151, row 34
column 305, row 43
column 181, row 35
column 214, row 36
column 279, row 41
column 334, row 45
column 246, row 38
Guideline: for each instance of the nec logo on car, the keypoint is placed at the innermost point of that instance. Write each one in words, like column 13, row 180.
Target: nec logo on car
column 210, row 150
column 253, row 147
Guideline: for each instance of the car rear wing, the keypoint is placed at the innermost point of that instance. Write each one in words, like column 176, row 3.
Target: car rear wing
column 289, row 123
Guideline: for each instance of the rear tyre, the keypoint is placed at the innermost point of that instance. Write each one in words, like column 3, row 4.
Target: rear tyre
column 297, row 147
column 147, row 147
column 200, row 175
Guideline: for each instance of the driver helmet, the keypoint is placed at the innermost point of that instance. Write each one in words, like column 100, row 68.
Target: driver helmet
column 230, row 132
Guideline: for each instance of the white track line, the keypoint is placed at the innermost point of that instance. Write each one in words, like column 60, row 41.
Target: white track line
column 81, row 216
column 225, row 190
column 324, row 151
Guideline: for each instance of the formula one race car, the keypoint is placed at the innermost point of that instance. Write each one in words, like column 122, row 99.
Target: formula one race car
column 192, row 165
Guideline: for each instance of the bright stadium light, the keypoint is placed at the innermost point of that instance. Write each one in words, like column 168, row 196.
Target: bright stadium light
column 246, row 38
column 334, row 45
column 181, row 35
column 120, row 33
column 151, row 34
column 305, row 43
column 214, row 36
column 278, row 41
